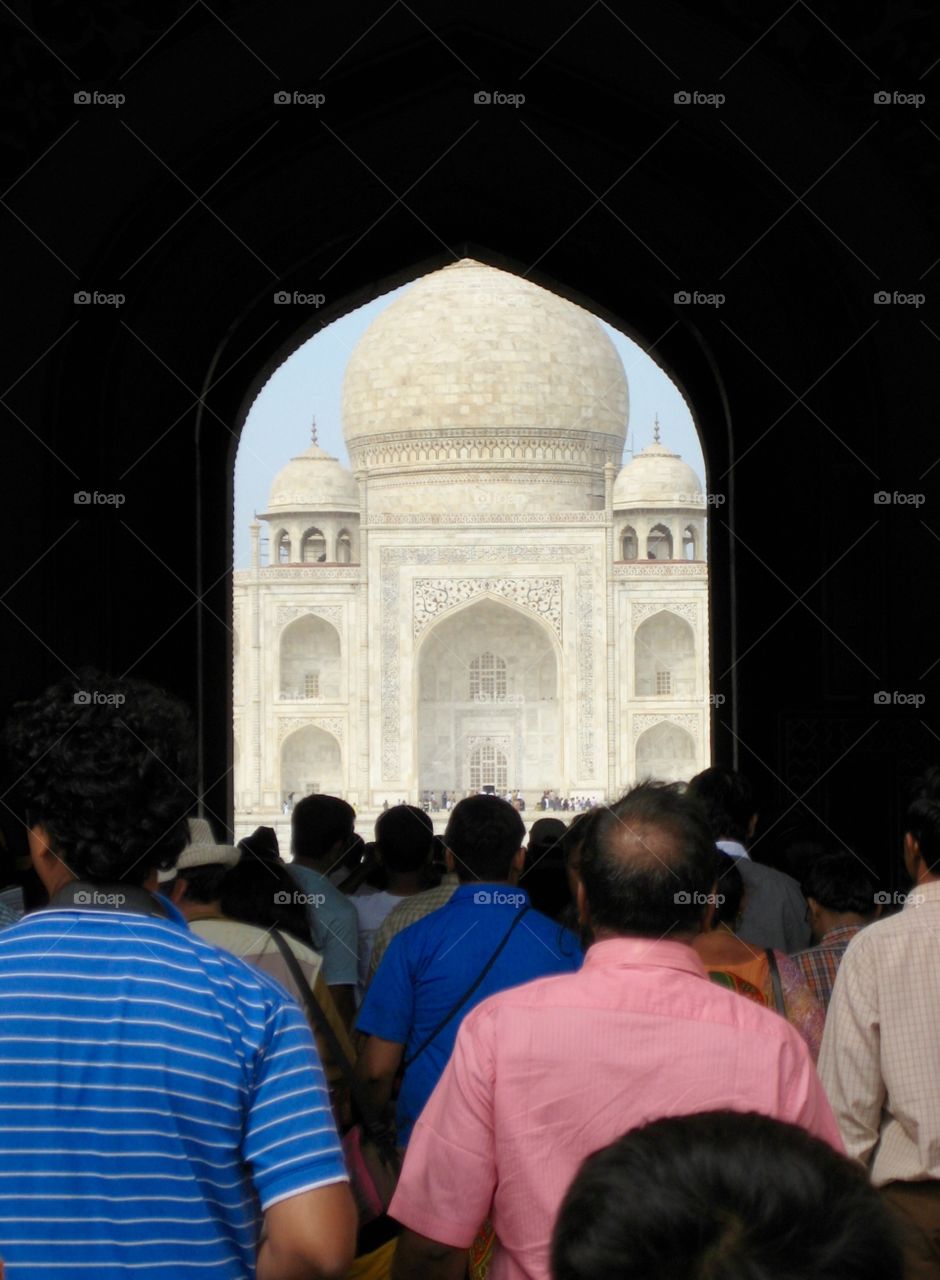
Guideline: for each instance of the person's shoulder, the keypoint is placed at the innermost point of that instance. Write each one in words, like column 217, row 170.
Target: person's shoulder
column 338, row 903
column 771, row 875
column 559, row 936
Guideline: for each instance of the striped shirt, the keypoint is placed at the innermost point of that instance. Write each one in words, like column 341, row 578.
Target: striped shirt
column 820, row 964
column 156, row 1094
column 880, row 1059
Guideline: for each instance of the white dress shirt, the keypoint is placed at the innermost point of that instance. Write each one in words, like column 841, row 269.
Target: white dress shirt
column 880, row 1060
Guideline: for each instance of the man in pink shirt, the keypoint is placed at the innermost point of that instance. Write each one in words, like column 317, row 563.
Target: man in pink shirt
column 545, row 1074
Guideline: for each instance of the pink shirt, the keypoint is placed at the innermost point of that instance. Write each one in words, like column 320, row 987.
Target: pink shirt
column 544, row 1074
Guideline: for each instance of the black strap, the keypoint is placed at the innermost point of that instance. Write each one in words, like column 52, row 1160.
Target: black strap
column 467, row 994
column 374, row 1127
column 779, row 1002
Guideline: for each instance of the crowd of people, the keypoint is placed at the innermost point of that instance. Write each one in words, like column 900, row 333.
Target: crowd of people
column 614, row 1047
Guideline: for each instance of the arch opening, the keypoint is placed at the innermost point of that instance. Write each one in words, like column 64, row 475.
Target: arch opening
column 488, row 699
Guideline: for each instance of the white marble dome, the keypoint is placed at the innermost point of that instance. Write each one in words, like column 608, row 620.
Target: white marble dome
column 314, row 481
column 657, row 477
column 475, row 376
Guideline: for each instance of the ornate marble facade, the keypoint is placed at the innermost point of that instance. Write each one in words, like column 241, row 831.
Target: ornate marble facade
column 488, row 597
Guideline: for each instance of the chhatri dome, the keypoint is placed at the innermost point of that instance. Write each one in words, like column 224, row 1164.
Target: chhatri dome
column 478, row 390
column 657, row 477
column 313, row 481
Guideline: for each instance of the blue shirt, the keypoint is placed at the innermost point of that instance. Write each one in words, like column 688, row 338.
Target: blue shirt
column 156, row 1094
column 334, row 926
column 429, row 966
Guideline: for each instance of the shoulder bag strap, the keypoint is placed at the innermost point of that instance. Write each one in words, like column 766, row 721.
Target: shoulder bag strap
column 779, row 1003
column 373, row 1126
column 467, row 994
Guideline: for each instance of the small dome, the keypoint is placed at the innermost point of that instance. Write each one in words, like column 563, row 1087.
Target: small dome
column 657, row 477
column 314, row 481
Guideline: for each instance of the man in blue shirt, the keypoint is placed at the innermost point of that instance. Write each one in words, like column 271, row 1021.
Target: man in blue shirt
column 485, row 939
column 321, row 833
column 159, row 1099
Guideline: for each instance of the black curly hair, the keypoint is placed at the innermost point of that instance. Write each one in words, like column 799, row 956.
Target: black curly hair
column 105, row 767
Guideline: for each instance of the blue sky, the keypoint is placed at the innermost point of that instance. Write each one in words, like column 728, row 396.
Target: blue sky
column 310, row 383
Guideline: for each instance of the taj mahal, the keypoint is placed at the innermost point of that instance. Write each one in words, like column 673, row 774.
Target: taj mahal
column 488, row 597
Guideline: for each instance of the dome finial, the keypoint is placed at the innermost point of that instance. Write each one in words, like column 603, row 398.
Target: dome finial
column 656, row 428
column 313, row 430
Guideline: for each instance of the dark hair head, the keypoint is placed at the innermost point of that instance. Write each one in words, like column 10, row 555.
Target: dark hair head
column 923, row 817
column 573, row 839
column 262, row 843
column 728, row 802
column 723, row 1196
column 318, row 824
column 546, row 840
column 106, row 766
column 403, row 835
column 648, row 862
column 263, row 893
column 203, row 884
column 484, row 833
column 729, row 889
column 839, row 882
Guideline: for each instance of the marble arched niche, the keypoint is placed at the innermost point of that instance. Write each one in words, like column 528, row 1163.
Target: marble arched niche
column 311, row 761
column 309, row 666
column 664, row 657
column 488, row 687
column 666, row 752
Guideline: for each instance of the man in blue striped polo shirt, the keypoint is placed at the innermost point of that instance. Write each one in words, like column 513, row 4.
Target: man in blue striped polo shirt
column 159, row 1099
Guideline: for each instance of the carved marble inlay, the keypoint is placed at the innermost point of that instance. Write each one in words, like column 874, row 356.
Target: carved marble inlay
column 433, row 596
column 336, row 725
column 642, row 609
column 689, row 720
column 329, row 612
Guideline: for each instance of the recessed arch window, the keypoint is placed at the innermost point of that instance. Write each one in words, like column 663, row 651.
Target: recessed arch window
column 488, row 768
column 689, row 547
column 343, row 547
column 628, row 543
column 659, row 543
column 313, row 547
column 487, row 677
column 282, row 547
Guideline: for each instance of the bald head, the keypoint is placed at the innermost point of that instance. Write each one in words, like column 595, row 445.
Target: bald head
column 647, row 864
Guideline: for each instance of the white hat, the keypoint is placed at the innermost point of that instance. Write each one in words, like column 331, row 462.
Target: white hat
column 200, row 831
column 205, row 854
